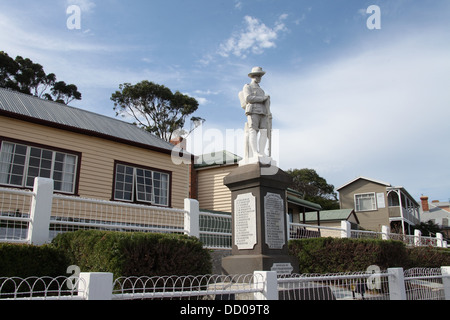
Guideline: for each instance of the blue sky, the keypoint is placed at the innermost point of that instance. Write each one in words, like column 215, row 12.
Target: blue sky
column 347, row 101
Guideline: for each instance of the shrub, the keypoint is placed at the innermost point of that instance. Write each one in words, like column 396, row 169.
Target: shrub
column 21, row 260
column 427, row 257
column 331, row 255
column 134, row 254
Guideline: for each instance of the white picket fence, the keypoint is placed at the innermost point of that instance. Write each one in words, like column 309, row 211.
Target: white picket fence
column 38, row 216
column 392, row 284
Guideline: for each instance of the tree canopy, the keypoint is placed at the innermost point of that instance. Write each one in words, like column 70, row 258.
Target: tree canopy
column 314, row 188
column 154, row 107
column 23, row 75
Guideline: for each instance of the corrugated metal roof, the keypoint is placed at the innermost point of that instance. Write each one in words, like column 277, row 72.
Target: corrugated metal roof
column 217, row 158
column 329, row 215
column 296, row 200
column 60, row 114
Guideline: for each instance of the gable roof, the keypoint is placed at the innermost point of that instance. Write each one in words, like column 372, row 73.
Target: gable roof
column 29, row 108
column 364, row 178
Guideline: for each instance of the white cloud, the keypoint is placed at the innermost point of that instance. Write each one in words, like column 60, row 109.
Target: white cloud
column 255, row 38
column 371, row 113
column 207, row 92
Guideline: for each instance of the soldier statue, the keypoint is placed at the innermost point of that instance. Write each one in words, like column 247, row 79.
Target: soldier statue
column 259, row 118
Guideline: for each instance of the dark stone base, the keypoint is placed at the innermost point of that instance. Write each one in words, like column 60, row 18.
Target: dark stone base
column 254, row 180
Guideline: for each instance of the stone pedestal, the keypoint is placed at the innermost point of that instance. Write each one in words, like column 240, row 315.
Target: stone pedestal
column 259, row 225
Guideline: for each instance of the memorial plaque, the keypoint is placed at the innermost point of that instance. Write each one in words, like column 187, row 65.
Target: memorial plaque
column 274, row 216
column 245, row 221
column 282, row 268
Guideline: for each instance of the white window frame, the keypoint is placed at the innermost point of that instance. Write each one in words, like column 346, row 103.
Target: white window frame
column 135, row 194
column 372, row 196
column 26, row 166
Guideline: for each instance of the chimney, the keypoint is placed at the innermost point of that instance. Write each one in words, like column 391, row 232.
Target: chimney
column 179, row 141
column 425, row 206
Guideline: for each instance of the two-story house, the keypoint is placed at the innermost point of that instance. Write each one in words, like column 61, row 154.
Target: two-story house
column 378, row 203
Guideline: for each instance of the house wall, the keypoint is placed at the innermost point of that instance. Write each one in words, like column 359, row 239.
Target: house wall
column 369, row 220
column 212, row 193
column 97, row 158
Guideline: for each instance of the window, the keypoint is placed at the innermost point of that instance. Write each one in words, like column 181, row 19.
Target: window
column 20, row 164
column 365, row 202
column 135, row 184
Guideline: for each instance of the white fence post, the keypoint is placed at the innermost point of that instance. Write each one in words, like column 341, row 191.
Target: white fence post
column 385, row 230
column 95, row 286
column 439, row 240
column 192, row 217
column 417, row 238
column 397, row 290
column 347, row 229
column 445, row 271
column 267, row 283
column 41, row 211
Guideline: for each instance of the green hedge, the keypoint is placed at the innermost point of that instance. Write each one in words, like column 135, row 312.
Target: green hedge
column 20, row 260
column 330, row 255
column 137, row 254
column 134, row 254
column 428, row 257
column 325, row 255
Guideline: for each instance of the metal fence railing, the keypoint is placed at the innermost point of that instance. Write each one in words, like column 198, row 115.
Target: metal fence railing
column 15, row 218
column 207, row 287
column 424, row 284
column 74, row 213
column 42, row 288
column 215, row 230
column 391, row 284
column 343, row 286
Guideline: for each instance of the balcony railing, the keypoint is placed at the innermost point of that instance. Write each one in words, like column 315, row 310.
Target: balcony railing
column 399, row 212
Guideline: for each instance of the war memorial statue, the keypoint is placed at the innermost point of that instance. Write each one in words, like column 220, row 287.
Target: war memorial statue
column 259, row 207
column 256, row 104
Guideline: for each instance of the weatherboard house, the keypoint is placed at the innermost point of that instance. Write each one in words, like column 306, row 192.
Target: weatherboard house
column 86, row 154
column 378, row 203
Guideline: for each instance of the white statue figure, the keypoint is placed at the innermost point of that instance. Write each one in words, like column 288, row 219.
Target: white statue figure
column 259, row 119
